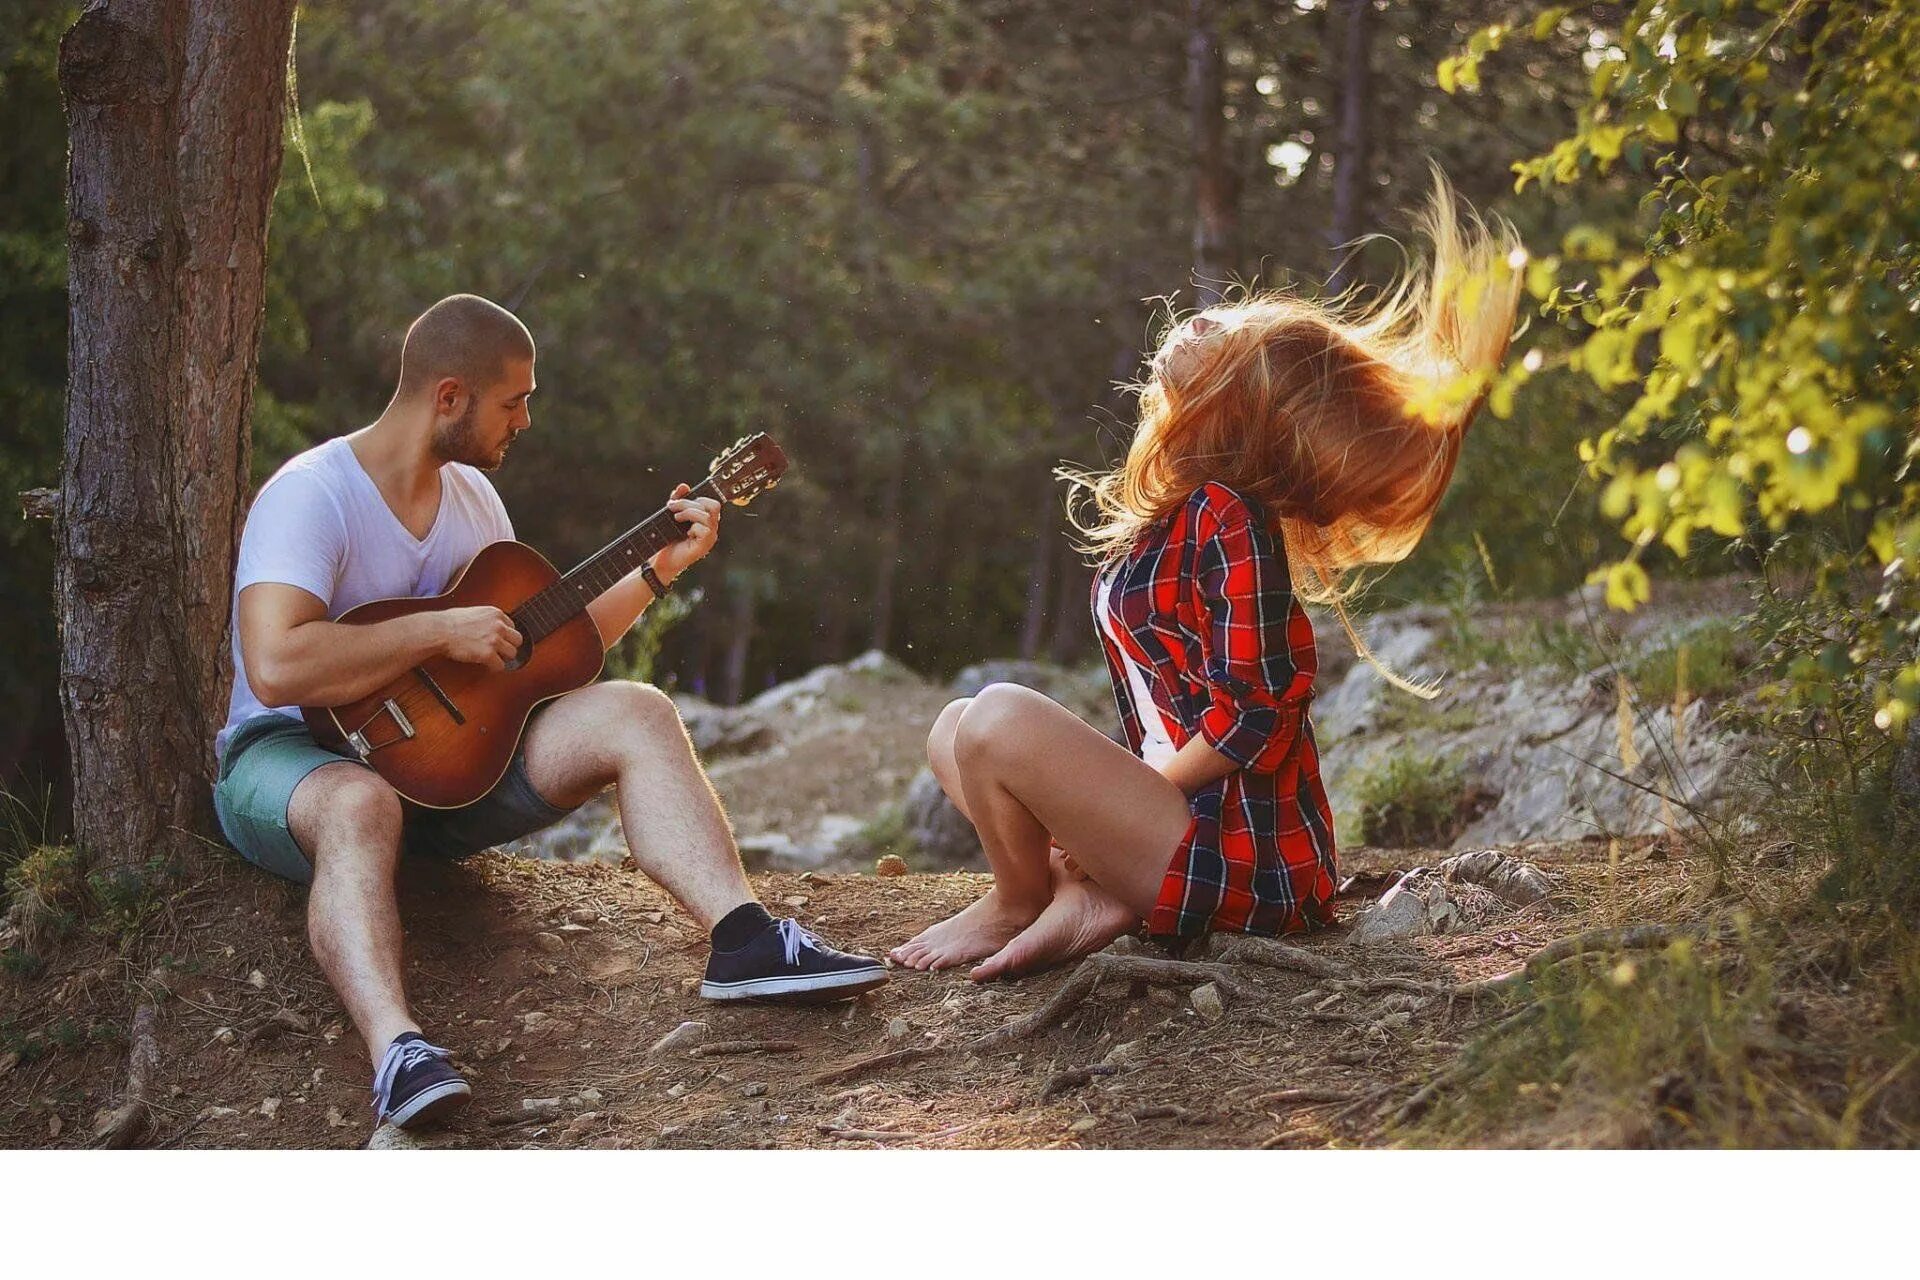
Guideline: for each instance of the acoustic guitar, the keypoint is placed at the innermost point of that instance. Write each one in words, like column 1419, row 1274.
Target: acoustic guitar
column 444, row 733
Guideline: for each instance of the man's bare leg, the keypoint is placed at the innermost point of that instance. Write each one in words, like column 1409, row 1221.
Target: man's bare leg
column 630, row 736
column 348, row 820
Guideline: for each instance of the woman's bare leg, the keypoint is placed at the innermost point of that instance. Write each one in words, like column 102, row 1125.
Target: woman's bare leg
column 1028, row 767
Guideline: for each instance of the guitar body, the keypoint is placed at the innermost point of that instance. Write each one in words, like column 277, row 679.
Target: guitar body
column 444, row 733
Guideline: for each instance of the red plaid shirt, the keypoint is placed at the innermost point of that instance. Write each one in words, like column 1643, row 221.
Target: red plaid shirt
column 1205, row 603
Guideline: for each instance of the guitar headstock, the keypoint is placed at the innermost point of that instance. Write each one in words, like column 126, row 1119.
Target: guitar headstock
column 751, row 467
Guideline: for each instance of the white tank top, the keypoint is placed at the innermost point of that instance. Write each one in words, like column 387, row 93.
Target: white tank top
column 1156, row 741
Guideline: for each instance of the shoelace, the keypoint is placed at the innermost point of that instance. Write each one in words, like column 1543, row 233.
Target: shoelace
column 793, row 936
column 398, row 1058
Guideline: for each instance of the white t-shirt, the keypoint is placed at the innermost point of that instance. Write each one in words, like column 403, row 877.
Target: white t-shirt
column 1156, row 741
column 320, row 524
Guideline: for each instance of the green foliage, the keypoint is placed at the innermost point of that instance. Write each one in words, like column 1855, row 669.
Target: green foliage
column 1408, row 799
column 1706, row 661
column 1760, row 312
column 635, row 655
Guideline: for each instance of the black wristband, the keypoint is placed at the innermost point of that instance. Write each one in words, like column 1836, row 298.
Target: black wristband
column 652, row 579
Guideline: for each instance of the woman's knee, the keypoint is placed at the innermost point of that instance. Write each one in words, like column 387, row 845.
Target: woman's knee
column 940, row 737
column 990, row 723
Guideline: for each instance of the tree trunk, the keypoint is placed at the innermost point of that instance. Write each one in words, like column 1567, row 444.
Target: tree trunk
column 733, row 690
column 1216, row 187
column 174, row 111
column 889, row 551
column 1351, row 169
column 1039, row 578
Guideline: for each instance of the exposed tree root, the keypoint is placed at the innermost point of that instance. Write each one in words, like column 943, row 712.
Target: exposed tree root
column 898, row 1057
column 1638, row 937
column 127, row 1123
column 1266, row 953
column 1087, row 978
column 726, row 1048
column 1075, row 1078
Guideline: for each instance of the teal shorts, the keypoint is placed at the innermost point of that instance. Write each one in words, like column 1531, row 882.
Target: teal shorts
column 269, row 755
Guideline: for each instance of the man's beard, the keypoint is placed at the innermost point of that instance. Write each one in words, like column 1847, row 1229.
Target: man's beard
column 459, row 441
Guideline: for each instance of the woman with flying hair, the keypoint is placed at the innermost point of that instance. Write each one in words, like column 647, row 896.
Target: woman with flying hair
column 1283, row 444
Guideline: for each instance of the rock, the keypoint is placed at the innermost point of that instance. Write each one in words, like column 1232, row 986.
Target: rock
column 335, row 1120
column 653, row 917
column 677, row 1090
column 583, row 915
column 257, row 980
column 939, row 834
column 54, row 1125
column 269, row 1107
column 1085, row 692
column 388, row 1138
column 754, row 1090
column 1163, row 997
column 219, row 1113
column 1404, row 911
column 684, row 1036
column 225, row 1035
column 579, row 1125
column 1121, row 1054
column 549, row 942
column 1084, row 1124
column 898, row 1029
column 588, row 1098
column 1518, row 882
column 891, row 864
column 1207, row 1003
column 8, row 1061
column 796, row 900
column 570, row 928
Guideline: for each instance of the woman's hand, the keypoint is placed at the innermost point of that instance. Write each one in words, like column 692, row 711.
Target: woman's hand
column 701, row 516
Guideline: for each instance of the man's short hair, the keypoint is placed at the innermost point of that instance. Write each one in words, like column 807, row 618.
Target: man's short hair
column 464, row 337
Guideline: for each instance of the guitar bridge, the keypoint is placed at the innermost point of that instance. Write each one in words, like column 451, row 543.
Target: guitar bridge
column 360, row 739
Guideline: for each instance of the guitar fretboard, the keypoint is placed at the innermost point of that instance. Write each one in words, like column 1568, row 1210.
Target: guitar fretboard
column 556, row 605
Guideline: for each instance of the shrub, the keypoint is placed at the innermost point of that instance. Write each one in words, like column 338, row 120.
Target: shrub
column 1410, row 799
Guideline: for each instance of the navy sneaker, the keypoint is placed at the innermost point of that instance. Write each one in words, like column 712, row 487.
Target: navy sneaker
column 416, row 1085
column 785, row 962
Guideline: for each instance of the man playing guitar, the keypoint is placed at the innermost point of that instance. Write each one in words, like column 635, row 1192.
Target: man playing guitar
column 399, row 509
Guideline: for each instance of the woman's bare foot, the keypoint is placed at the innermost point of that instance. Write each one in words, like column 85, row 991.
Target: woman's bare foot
column 976, row 932
column 1081, row 919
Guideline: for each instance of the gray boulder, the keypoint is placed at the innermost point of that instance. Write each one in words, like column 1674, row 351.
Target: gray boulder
column 942, row 838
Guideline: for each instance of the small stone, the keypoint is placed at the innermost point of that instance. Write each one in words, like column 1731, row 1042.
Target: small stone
column 754, row 1090
column 573, row 929
column 269, row 1107
column 757, row 1109
column 672, row 1130
column 684, row 1036
column 533, row 1019
column 549, row 942
column 225, row 1035
column 1084, row 1124
column 583, row 915
column 1121, row 1054
column 1207, row 1003
column 796, row 899
column 54, row 1125
column 257, row 980
column 677, row 1091
column 891, row 864
column 581, row 1123
column 335, row 1120
column 220, row 1113
column 689, row 986
column 1162, row 996
column 898, row 1029
column 653, row 917
column 1124, row 945
column 8, row 1061
column 812, row 877
column 590, row 1097
column 539, row 1105
column 389, row 1138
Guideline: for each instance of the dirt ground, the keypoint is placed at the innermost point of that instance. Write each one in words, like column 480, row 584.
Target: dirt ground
column 551, row 982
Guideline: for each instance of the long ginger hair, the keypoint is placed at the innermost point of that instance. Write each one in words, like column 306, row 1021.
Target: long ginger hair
column 1342, row 421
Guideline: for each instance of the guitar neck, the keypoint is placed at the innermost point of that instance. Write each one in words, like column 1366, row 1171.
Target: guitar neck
column 566, row 599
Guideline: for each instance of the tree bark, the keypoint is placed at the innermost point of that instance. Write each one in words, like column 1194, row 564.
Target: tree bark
column 1351, row 168
column 733, row 689
column 1033, row 627
column 1216, row 186
column 174, row 112
column 887, row 567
